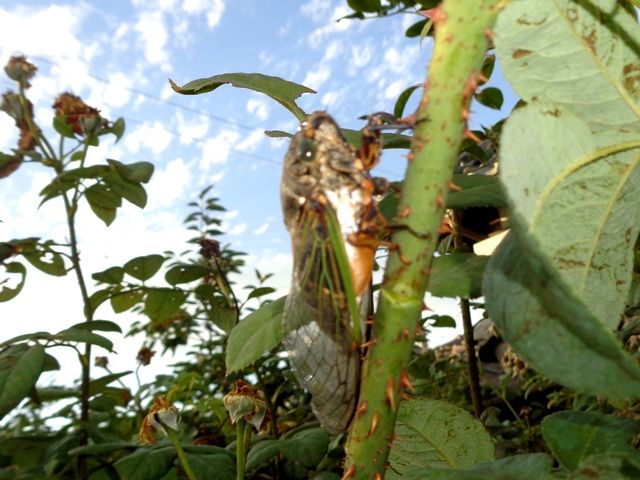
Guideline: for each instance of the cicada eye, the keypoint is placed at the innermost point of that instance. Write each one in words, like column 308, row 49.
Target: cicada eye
column 306, row 148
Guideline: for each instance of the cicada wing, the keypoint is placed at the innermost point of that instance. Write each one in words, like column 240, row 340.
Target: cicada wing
column 323, row 352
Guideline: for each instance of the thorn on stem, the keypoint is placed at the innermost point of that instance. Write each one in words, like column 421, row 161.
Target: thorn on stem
column 375, row 421
column 389, row 394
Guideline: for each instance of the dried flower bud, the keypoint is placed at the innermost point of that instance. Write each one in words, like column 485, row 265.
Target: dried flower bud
column 81, row 117
column 145, row 355
column 13, row 107
column 243, row 402
column 20, row 70
column 162, row 413
column 101, row 362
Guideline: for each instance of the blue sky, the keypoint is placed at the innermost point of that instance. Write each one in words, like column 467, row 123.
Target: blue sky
column 118, row 55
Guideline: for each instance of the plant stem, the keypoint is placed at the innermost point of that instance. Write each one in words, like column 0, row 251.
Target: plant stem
column 182, row 457
column 472, row 361
column 460, row 44
column 240, row 449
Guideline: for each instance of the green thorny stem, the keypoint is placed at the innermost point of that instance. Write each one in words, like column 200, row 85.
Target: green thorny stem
column 462, row 37
column 71, row 207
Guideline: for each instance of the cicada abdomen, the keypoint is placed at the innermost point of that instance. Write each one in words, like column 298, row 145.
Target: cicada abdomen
column 327, row 201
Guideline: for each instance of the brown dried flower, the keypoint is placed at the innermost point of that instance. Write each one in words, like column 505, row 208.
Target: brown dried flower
column 161, row 412
column 145, row 355
column 78, row 114
column 20, row 70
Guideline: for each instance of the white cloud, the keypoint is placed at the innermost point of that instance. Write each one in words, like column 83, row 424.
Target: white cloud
column 116, row 92
column 238, row 229
column 212, row 8
column 190, row 131
column 168, row 185
column 216, row 150
column 331, row 28
column 24, row 29
column 394, row 89
column 154, row 37
column 332, row 51
column 150, row 135
column 252, row 141
column 261, row 229
column 258, row 108
column 316, row 10
column 360, row 57
column 315, row 78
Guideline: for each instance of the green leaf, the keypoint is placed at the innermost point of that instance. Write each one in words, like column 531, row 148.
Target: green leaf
column 163, row 303
column 20, row 368
column 221, row 466
column 223, row 314
column 145, row 267
column 277, row 134
column 490, row 97
column 282, row 91
column 99, row 325
column 574, row 436
column 476, row 191
column 255, row 335
column 131, row 191
column 138, row 172
column 413, row 31
column 100, row 385
column 185, row 273
column 262, row 453
column 260, row 292
column 535, row 466
column 84, row 336
column 98, row 297
column 100, row 448
column 401, row 103
column 122, row 302
column 7, row 293
column 146, row 464
column 364, row 5
column 112, row 275
column 457, row 275
column 118, row 128
column 103, row 201
column 441, row 321
column 307, row 447
column 549, row 327
column 62, row 127
column 433, row 433
column 578, row 191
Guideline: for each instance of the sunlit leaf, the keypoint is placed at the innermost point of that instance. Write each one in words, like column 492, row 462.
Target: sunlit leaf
column 138, row 172
column 457, row 275
column 162, row 303
column 569, row 158
column 121, row 302
column 185, row 273
column 103, row 201
column 255, row 335
column 549, row 327
column 433, row 433
column 282, row 91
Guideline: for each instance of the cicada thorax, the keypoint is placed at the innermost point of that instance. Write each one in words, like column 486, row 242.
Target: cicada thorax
column 323, row 179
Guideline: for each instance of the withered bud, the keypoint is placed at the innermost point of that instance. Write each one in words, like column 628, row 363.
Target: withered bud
column 81, row 117
column 12, row 106
column 243, row 402
column 20, row 70
column 101, row 362
column 209, row 248
column 162, row 413
column 145, row 355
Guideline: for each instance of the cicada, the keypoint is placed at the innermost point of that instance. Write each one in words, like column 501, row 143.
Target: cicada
column 330, row 213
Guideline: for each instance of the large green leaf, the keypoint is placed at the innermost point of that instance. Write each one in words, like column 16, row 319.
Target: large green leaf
column 185, row 273
column 306, row 447
column 535, row 466
column 282, row 91
column 549, row 327
column 138, row 172
column 83, row 336
column 433, row 433
column 103, row 201
column 570, row 158
column 146, row 464
column 221, row 466
column 255, row 335
column 574, row 436
column 20, row 368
